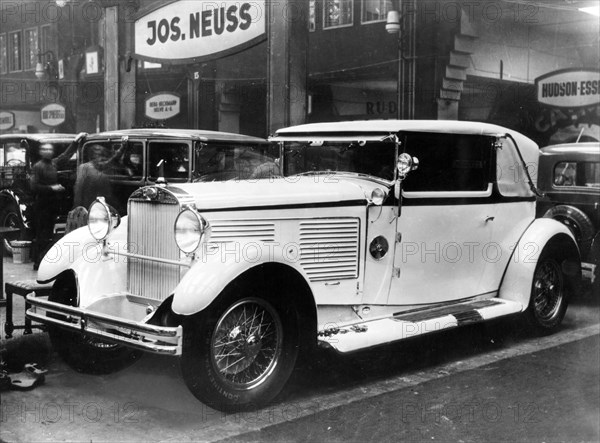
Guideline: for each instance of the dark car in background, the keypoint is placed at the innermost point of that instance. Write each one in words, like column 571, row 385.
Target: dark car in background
column 569, row 178
column 18, row 154
column 178, row 156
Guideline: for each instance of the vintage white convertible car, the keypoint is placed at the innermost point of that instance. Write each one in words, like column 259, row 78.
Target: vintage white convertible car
column 372, row 232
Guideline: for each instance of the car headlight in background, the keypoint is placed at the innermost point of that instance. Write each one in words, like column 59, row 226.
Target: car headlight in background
column 102, row 219
column 190, row 227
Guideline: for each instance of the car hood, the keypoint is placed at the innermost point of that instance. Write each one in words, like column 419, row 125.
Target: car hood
column 291, row 191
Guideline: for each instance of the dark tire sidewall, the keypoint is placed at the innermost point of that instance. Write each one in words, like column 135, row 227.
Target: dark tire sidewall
column 75, row 348
column 197, row 365
column 9, row 217
column 578, row 223
column 546, row 326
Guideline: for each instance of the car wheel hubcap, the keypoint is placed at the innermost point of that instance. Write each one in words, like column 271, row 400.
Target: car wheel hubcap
column 246, row 343
column 548, row 291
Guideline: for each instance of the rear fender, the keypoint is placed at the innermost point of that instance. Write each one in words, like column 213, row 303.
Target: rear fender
column 542, row 233
column 219, row 265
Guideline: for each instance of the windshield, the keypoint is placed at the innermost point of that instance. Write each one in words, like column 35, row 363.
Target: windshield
column 220, row 162
column 374, row 158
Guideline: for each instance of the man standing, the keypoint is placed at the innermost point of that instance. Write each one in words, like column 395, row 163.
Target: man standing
column 92, row 180
column 47, row 191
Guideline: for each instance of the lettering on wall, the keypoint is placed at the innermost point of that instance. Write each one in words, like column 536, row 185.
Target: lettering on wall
column 53, row 114
column 163, row 105
column 7, row 120
column 189, row 30
column 569, row 88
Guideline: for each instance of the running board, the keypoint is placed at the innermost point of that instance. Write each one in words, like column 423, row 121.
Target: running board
column 401, row 326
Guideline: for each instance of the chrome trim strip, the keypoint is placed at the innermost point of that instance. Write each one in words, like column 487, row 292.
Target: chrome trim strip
column 148, row 258
column 150, row 338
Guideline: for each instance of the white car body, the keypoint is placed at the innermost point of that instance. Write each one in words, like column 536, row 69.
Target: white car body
column 374, row 262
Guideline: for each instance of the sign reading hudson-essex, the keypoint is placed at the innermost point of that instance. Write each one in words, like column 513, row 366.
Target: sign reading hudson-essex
column 190, row 30
column 569, row 88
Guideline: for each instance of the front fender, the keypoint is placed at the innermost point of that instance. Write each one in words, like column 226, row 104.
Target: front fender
column 20, row 201
column 79, row 250
column 518, row 278
column 220, row 264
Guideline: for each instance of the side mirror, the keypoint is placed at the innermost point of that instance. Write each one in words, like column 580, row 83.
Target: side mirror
column 405, row 164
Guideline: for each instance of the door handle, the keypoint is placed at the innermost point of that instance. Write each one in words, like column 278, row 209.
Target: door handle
column 489, row 218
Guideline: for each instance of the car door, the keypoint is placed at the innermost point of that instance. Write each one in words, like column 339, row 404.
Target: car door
column 445, row 221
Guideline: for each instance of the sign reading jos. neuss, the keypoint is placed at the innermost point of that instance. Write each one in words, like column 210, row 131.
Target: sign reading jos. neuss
column 53, row 114
column 162, row 106
column 191, row 30
column 569, row 88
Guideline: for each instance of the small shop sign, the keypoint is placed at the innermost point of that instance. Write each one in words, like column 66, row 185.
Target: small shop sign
column 569, row 88
column 163, row 105
column 53, row 114
column 187, row 31
column 7, row 120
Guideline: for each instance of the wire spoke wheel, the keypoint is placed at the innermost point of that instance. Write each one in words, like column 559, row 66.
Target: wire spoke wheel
column 547, row 290
column 247, row 343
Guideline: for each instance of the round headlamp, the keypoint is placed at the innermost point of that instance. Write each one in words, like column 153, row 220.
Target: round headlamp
column 189, row 229
column 102, row 219
column 404, row 164
column 377, row 196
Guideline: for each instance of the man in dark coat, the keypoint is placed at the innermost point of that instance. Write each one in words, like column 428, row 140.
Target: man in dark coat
column 47, row 191
column 92, row 180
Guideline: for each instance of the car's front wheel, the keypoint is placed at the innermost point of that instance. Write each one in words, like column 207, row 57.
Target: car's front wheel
column 83, row 353
column 550, row 293
column 240, row 351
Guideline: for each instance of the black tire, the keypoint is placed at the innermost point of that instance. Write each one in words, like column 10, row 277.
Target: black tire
column 83, row 353
column 550, row 294
column 240, row 315
column 578, row 223
column 10, row 218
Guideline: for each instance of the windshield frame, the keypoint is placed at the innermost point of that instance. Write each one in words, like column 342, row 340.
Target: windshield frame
column 359, row 140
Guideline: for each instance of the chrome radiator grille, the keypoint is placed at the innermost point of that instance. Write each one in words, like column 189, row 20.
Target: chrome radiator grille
column 329, row 249
column 151, row 234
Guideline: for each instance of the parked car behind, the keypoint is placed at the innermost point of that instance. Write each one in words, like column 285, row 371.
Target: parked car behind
column 378, row 231
column 18, row 154
column 569, row 178
column 183, row 156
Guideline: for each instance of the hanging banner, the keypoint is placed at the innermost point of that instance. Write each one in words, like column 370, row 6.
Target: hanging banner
column 162, row 106
column 53, row 114
column 569, row 88
column 7, row 120
column 189, row 30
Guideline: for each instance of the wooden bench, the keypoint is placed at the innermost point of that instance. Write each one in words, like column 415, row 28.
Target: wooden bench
column 22, row 288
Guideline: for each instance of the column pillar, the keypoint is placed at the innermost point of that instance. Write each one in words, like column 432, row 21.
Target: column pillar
column 111, row 68
column 287, row 31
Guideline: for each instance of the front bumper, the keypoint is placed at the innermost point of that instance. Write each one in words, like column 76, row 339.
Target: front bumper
column 134, row 334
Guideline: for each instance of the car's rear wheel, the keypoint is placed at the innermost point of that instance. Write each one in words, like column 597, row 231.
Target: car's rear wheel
column 10, row 218
column 84, row 353
column 240, row 351
column 550, row 292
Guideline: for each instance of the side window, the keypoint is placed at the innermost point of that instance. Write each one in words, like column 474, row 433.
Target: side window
column 126, row 164
column 113, row 161
column 175, row 157
column 590, row 174
column 14, row 154
column 583, row 174
column 565, row 174
column 449, row 163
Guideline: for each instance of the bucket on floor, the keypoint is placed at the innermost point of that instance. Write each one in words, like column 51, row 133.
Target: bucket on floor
column 21, row 251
